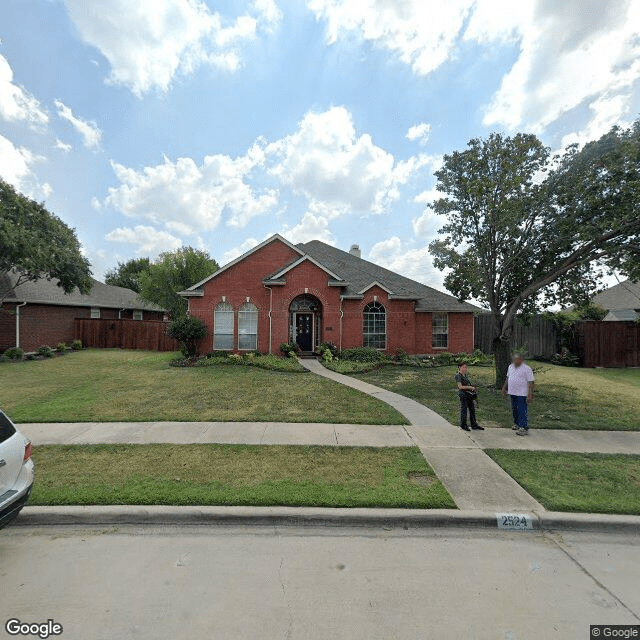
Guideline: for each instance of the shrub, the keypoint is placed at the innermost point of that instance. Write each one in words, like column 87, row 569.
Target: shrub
column 62, row 347
column 4, row 358
column 565, row 358
column 76, row 345
column 328, row 346
column 45, row 351
column 287, row 348
column 31, row 356
column 14, row 353
column 363, row 354
column 187, row 330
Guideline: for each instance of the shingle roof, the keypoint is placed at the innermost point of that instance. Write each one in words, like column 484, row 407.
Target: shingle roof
column 622, row 315
column 45, row 291
column 359, row 274
column 625, row 295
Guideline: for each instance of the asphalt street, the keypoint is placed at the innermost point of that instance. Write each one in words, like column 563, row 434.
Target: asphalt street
column 151, row 582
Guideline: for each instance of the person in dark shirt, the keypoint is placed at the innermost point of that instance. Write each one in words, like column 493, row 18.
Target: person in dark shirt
column 467, row 395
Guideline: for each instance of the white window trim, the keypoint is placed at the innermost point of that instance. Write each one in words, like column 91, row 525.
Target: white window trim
column 233, row 326
column 386, row 335
column 440, row 313
column 95, row 313
column 137, row 314
column 257, row 314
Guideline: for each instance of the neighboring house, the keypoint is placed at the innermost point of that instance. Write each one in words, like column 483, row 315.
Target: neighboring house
column 41, row 313
column 622, row 301
column 312, row 293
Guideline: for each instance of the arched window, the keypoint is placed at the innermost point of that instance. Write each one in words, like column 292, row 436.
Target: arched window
column 223, row 327
column 374, row 327
column 248, row 327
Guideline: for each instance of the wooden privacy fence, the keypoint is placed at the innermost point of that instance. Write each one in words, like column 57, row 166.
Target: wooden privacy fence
column 124, row 334
column 609, row 344
column 540, row 337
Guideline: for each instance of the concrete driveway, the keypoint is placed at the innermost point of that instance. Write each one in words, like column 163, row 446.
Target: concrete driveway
column 317, row 583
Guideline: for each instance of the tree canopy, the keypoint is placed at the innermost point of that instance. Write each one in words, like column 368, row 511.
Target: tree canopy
column 172, row 272
column 37, row 244
column 127, row 274
column 525, row 230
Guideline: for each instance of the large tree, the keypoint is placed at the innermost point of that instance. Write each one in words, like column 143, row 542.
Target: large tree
column 525, row 230
column 172, row 272
column 127, row 274
column 37, row 244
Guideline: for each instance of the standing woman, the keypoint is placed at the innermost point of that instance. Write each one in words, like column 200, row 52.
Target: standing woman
column 467, row 395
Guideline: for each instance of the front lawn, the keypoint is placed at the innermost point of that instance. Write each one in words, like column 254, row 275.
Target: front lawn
column 585, row 482
column 565, row 397
column 110, row 385
column 217, row 474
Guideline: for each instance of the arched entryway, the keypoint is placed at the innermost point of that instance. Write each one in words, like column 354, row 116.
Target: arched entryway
column 305, row 322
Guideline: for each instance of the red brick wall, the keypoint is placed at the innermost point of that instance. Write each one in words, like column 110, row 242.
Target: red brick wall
column 49, row 324
column 405, row 329
column 461, row 326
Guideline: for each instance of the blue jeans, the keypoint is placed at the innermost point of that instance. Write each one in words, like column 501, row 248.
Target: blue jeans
column 519, row 410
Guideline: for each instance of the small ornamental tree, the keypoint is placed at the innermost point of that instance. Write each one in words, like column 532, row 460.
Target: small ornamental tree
column 187, row 330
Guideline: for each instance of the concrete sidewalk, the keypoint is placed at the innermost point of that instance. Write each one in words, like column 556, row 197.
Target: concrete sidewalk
column 472, row 478
column 560, row 440
column 347, row 435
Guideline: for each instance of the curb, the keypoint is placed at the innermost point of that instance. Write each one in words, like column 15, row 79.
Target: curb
column 320, row 517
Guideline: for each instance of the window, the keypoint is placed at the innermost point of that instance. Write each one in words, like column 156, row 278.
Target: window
column 248, row 327
column 223, row 327
column 440, row 330
column 137, row 315
column 95, row 312
column 374, row 327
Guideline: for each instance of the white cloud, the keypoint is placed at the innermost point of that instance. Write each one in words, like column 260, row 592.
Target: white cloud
column 570, row 53
column 422, row 33
column 91, row 134
column 407, row 260
column 147, row 240
column 336, row 169
column 310, row 227
column 63, row 146
column 15, row 163
column 235, row 252
column 419, row 132
column 159, row 38
column 17, row 104
column 189, row 197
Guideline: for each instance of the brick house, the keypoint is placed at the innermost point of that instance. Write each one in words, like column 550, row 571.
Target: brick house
column 41, row 313
column 313, row 293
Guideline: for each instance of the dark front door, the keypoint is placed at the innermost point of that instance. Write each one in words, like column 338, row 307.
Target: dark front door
column 304, row 331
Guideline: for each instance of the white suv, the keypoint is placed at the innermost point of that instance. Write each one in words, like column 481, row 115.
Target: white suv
column 16, row 470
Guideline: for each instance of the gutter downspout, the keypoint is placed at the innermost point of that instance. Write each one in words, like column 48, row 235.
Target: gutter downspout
column 120, row 313
column 18, row 322
column 270, row 309
column 341, row 316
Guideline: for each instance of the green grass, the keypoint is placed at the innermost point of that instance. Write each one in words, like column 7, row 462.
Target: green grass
column 215, row 474
column 112, row 385
column 585, row 482
column 565, row 397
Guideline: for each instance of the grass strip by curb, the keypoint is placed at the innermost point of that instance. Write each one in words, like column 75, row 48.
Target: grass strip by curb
column 218, row 474
column 579, row 482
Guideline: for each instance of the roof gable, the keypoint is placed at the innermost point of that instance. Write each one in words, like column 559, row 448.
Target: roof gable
column 293, row 265
column 194, row 290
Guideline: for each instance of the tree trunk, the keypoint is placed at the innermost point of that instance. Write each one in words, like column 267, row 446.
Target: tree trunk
column 502, row 351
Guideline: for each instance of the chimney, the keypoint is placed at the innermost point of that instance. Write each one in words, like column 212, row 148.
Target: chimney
column 355, row 251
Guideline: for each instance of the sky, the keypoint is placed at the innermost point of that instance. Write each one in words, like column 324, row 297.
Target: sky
column 156, row 124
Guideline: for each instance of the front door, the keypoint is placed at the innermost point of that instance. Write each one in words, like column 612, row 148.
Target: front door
column 304, row 331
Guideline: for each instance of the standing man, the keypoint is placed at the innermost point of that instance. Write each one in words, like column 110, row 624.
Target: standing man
column 519, row 386
column 467, row 394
